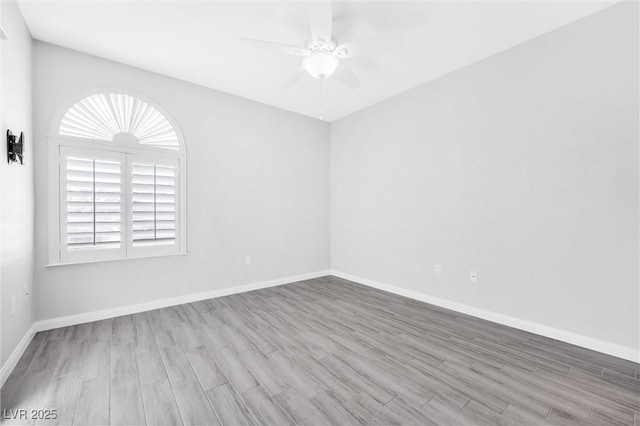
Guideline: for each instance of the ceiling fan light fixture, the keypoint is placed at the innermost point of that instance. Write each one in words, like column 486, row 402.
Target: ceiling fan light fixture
column 320, row 65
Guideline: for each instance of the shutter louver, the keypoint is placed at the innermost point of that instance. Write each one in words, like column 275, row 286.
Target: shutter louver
column 93, row 204
column 153, row 204
column 106, row 115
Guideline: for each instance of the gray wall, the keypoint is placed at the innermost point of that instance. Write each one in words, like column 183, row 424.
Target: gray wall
column 523, row 167
column 16, row 182
column 258, row 185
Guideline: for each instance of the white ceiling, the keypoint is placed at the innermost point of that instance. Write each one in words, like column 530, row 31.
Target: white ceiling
column 200, row 41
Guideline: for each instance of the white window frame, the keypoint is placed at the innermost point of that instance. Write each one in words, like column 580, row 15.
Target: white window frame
column 125, row 151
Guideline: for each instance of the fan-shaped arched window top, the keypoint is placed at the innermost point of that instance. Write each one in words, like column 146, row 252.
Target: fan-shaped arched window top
column 117, row 180
column 114, row 116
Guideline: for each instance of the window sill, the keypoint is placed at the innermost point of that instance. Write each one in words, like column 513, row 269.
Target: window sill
column 82, row 262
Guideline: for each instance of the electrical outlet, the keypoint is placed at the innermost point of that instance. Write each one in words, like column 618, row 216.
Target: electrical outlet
column 438, row 270
column 473, row 276
column 12, row 302
column 247, row 260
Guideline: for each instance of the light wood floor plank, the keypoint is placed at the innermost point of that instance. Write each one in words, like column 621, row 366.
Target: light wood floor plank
column 177, row 365
column 300, row 409
column 126, row 407
column 195, row 408
column 97, row 360
column 206, row 369
column 229, row 406
column 160, row 405
column 62, row 394
column 265, row 408
column 93, row 402
column 237, row 373
column 317, row 352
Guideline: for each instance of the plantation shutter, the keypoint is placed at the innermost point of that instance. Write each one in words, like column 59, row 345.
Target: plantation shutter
column 154, row 212
column 91, row 204
column 105, row 115
column 115, row 184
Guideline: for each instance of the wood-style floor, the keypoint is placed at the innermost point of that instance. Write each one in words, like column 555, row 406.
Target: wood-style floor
column 323, row 351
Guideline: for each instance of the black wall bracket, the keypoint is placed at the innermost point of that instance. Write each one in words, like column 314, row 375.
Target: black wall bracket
column 14, row 147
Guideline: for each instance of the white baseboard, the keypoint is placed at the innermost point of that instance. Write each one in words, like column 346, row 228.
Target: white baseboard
column 65, row 321
column 608, row 348
column 11, row 363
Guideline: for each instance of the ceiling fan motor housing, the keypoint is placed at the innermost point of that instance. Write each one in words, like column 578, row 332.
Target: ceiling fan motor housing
column 321, row 45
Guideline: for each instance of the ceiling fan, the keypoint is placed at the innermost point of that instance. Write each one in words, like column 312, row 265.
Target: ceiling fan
column 323, row 54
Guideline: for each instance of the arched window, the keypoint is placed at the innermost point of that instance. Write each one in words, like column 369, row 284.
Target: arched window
column 117, row 180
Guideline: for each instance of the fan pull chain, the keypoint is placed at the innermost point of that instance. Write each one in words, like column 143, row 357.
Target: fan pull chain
column 321, row 93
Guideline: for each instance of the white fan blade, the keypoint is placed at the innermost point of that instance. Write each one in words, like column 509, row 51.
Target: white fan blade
column 321, row 21
column 295, row 77
column 345, row 77
column 369, row 47
column 279, row 47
